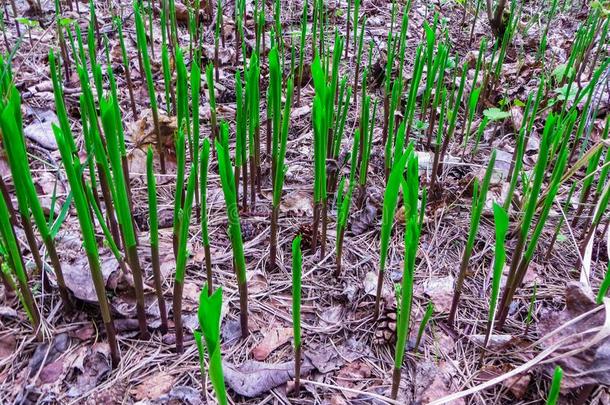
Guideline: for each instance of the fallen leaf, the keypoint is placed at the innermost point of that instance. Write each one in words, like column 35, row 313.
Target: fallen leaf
column 181, row 395
column 516, row 115
column 518, row 384
column 41, row 131
column 257, row 282
column 254, row 378
column 353, row 373
column 325, row 358
column 299, row 112
column 440, row 291
column 48, row 352
column 51, row 372
column 182, row 13
column 297, row 203
column 370, row 283
column 136, row 159
column 8, row 343
column 586, row 364
column 364, row 219
column 495, row 341
column 154, row 386
column 190, row 296
column 89, row 369
column 273, row 339
column 7, row 312
column 434, row 382
column 78, row 278
column 143, row 131
column 332, row 316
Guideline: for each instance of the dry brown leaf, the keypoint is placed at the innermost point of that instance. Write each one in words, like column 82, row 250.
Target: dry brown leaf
column 518, row 384
column 154, row 386
column 7, row 312
column 190, row 296
column 516, row 114
column 182, row 13
column 136, row 158
column 587, row 364
column 78, row 278
column 254, row 378
column 435, row 382
column 364, row 219
column 41, row 131
column 273, row 339
column 90, row 367
column 257, row 282
column 440, row 291
column 8, row 343
column 143, row 131
column 298, row 203
column 352, row 375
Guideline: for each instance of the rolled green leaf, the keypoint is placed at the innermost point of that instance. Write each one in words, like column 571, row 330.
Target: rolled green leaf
column 89, row 242
column 210, row 307
column 296, row 306
column 228, row 188
column 555, row 386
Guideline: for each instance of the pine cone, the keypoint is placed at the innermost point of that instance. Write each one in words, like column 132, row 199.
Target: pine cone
column 386, row 327
column 306, row 232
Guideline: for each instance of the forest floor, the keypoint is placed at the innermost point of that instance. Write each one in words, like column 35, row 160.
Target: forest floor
column 348, row 355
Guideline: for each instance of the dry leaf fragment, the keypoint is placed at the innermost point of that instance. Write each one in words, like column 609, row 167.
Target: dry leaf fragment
column 587, row 364
column 254, row 378
column 518, row 384
column 154, row 386
column 440, row 291
column 89, row 369
column 434, row 382
column 8, row 343
column 298, row 203
column 273, row 339
column 41, row 131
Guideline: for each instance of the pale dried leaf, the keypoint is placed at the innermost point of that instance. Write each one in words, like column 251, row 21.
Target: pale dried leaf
column 272, row 339
column 154, row 386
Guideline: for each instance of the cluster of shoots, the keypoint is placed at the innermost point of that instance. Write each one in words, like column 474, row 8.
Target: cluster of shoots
column 438, row 105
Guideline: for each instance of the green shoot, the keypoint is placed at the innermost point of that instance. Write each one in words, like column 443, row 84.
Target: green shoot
column 302, row 52
column 320, row 129
column 411, row 239
column 344, row 201
column 143, row 50
column 296, row 307
column 109, row 121
column 253, row 109
column 478, row 202
column 520, row 261
column 89, row 241
column 228, row 189
column 280, row 170
column 153, row 222
column 390, row 200
column 424, row 321
column 212, row 101
column 555, row 386
column 11, row 123
column 203, row 184
column 501, row 224
column 185, row 221
column 210, row 307
column 16, row 264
